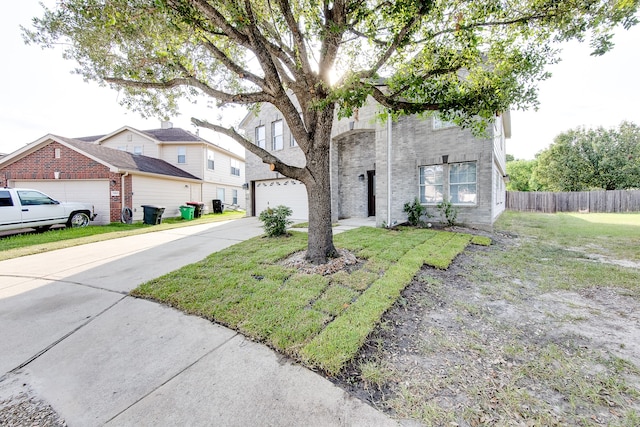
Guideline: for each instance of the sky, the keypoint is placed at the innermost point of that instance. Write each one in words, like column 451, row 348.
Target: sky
column 41, row 96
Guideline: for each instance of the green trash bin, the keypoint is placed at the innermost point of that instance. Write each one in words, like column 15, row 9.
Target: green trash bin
column 152, row 214
column 187, row 212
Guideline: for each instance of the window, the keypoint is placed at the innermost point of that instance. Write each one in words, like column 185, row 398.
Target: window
column 137, row 149
column 234, row 194
column 261, row 137
column 293, row 142
column 462, row 183
column 56, row 153
column 277, row 142
column 235, row 167
column 34, row 198
column 122, row 147
column 455, row 182
column 5, row 198
column 431, row 184
column 210, row 162
column 221, row 194
column 438, row 123
column 182, row 155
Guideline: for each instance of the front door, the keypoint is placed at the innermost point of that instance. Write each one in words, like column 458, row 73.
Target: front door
column 371, row 192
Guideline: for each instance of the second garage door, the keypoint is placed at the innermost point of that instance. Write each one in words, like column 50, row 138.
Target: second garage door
column 95, row 192
column 287, row 192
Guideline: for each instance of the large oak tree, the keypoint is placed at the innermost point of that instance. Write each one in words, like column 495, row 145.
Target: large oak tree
column 466, row 59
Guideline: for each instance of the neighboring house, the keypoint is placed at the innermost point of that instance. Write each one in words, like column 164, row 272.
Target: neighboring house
column 375, row 172
column 128, row 168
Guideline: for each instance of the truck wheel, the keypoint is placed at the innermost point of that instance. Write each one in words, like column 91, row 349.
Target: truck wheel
column 78, row 219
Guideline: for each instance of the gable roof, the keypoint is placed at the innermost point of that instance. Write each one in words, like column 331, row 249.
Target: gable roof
column 116, row 160
column 160, row 135
column 126, row 161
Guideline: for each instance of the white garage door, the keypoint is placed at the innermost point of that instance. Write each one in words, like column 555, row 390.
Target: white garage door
column 94, row 192
column 287, row 192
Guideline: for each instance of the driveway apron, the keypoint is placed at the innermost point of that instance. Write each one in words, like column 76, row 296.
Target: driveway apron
column 71, row 337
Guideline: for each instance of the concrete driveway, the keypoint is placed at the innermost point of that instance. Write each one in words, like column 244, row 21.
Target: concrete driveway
column 71, row 337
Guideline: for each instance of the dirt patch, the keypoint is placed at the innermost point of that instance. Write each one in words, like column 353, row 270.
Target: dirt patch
column 345, row 261
column 456, row 352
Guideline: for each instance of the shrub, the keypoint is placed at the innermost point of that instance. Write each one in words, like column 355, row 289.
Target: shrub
column 276, row 220
column 448, row 212
column 414, row 211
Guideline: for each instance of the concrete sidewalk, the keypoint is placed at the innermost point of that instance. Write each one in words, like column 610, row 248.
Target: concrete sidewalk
column 70, row 336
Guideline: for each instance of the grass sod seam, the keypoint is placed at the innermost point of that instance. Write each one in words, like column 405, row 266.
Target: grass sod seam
column 341, row 339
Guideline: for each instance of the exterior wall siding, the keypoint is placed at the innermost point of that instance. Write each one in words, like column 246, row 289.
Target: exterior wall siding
column 165, row 193
column 130, row 140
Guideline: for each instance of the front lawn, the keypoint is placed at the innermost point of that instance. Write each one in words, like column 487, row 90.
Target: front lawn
column 32, row 242
column 321, row 320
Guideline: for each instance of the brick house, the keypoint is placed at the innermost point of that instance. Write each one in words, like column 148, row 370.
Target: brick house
column 377, row 167
column 129, row 168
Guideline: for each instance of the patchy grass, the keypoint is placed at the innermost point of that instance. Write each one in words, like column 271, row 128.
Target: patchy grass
column 31, row 242
column 537, row 329
column 320, row 320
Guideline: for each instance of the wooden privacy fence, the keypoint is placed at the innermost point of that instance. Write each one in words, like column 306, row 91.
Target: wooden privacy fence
column 578, row 201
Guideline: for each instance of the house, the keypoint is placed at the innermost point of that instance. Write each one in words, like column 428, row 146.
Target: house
column 377, row 167
column 129, row 168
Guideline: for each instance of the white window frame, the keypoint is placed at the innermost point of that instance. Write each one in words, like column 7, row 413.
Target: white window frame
column 211, row 159
column 464, row 185
column 439, row 124
column 182, row 155
column 261, row 136
column 277, row 135
column 431, row 180
column 234, row 195
column 137, row 149
column 235, row 167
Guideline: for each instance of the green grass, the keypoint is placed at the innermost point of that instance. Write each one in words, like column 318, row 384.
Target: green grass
column 17, row 245
column 320, row 320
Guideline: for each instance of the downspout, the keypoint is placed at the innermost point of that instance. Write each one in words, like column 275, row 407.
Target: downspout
column 389, row 141
column 124, row 194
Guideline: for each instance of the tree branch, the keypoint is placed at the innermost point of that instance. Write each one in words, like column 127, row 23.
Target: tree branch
column 267, row 157
column 239, row 98
column 406, row 107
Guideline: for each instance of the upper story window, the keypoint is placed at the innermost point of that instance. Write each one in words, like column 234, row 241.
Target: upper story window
column 261, row 137
column 293, row 142
column 137, row 149
column 438, row 123
column 210, row 160
column 182, row 154
column 56, row 153
column 277, row 142
column 235, row 167
column 122, row 147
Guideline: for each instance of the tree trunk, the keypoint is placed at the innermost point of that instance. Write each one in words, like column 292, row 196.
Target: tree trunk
column 320, row 244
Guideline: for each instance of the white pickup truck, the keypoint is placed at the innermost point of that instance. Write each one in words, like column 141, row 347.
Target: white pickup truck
column 27, row 208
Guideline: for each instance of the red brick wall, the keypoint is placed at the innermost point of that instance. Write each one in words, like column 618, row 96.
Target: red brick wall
column 42, row 164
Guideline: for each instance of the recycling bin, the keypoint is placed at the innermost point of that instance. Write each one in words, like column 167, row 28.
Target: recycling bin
column 197, row 208
column 187, row 212
column 152, row 214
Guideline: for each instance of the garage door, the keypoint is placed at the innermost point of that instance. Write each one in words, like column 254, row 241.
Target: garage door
column 287, row 192
column 94, row 192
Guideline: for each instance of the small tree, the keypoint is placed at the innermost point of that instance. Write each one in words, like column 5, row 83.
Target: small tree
column 414, row 211
column 448, row 212
column 275, row 221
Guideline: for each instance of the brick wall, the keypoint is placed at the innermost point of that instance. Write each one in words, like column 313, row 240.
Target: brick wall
column 71, row 165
